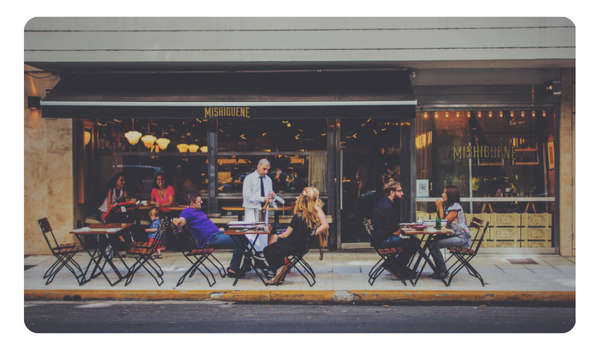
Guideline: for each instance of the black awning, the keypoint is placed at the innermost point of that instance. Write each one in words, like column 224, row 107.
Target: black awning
column 331, row 94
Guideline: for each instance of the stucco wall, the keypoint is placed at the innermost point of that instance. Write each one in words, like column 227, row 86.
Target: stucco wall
column 48, row 163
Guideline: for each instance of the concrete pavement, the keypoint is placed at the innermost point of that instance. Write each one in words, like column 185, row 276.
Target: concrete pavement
column 341, row 278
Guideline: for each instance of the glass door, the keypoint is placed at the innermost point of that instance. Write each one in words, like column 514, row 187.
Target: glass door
column 373, row 151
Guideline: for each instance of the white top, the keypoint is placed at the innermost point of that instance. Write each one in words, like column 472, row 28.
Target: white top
column 104, row 207
column 251, row 190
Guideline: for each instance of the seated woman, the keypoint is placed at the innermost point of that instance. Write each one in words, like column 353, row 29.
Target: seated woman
column 162, row 196
column 461, row 236
column 113, row 191
column 294, row 239
column 313, row 193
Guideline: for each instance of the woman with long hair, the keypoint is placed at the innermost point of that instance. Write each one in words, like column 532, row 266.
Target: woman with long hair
column 113, row 191
column 450, row 209
column 304, row 222
column 162, row 196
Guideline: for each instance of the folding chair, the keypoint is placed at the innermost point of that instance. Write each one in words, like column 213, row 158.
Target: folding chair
column 387, row 255
column 63, row 253
column 465, row 255
column 142, row 252
column 297, row 259
column 189, row 249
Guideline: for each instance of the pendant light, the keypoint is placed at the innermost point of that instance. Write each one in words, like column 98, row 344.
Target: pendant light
column 194, row 148
column 148, row 140
column 182, row 147
column 163, row 142
column 133, row 136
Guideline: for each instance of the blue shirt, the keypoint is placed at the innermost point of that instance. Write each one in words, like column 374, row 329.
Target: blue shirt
column 199, row 224
column 155, row 224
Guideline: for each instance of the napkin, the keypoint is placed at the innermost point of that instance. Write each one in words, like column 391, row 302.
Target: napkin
column 111, row 230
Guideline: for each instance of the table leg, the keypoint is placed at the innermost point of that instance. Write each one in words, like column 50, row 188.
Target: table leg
column 248, row 251
column 425, row 256
column 97, row 256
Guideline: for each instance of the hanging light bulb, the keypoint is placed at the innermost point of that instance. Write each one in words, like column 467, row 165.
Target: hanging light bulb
column 194, row 148
column 522, row 114
column 425, row 115
column 501, row 114
column 133, row 136
column 490, row 114
column 163, row 143
column 479, row 114
column 148, row 139
column 457, row 114
column 87, row 136
column 182, row 147
column 512, row 114
column 446, row 114
column 544, row 114
column 468, row 114
column 436, row 115
column 533, row 114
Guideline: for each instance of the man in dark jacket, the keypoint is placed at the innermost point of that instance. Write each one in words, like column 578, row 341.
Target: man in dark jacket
column 387, row 232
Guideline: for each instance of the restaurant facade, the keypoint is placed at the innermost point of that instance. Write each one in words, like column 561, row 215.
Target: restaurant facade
column 343, row 105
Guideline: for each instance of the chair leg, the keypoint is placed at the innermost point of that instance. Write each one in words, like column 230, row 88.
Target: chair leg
column 221, row 270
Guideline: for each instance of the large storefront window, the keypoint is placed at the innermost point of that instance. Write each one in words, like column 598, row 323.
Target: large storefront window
column 502, row 161
column 296, row 149
column 177, row 148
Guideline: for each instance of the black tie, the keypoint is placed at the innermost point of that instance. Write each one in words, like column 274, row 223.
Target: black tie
column 262, row 188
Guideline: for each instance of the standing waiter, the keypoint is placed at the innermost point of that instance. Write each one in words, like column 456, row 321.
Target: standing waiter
column 257, row 190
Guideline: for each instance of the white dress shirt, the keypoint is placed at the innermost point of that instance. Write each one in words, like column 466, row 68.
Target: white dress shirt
column 251, row 190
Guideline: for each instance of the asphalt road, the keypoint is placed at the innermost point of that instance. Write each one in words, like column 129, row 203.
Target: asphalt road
column 220, row 317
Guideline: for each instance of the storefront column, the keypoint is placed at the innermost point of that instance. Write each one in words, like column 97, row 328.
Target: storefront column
column 567, row 163
column 213, row 205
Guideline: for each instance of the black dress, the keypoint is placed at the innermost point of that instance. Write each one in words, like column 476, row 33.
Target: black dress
column 295, row 243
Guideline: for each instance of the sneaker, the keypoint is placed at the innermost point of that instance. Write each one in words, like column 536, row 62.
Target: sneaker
column 260, row 256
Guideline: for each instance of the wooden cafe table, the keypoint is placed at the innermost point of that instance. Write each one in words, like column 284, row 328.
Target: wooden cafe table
column 240, row 211
column 248, row 249
column 100, row 256
column 421, row 250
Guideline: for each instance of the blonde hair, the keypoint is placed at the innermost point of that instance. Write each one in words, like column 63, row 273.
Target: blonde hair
column 153, row 212
column 306, row 207
column 313, row 192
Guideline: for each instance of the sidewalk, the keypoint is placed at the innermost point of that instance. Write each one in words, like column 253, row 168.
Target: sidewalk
column 341, row 278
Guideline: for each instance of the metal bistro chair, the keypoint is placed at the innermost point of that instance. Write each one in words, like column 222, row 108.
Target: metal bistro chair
column 387, row 255
column 63, row 253
column 297, row 259
column 142, row 252
column 465, row 255
column 197, row 256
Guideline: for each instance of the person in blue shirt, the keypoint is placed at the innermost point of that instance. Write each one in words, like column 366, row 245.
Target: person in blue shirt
column 207, row 233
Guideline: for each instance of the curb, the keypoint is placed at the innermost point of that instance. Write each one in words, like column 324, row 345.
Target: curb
column 316, row 297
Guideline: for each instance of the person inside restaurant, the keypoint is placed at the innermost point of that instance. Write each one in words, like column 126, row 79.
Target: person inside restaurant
column 306, row 219
column 457, row 222
column 257, row 190
column 207, row 234
column 386, row 230
column 113, row 191
column 162, row 196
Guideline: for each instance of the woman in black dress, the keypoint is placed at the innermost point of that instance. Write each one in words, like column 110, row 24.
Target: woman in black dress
column 305, row 221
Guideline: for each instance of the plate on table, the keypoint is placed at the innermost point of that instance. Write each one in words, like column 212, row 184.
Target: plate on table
column 419, row 227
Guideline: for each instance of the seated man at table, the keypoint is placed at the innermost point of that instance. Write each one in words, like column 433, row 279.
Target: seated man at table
column 387, row 233
column 207, row 233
